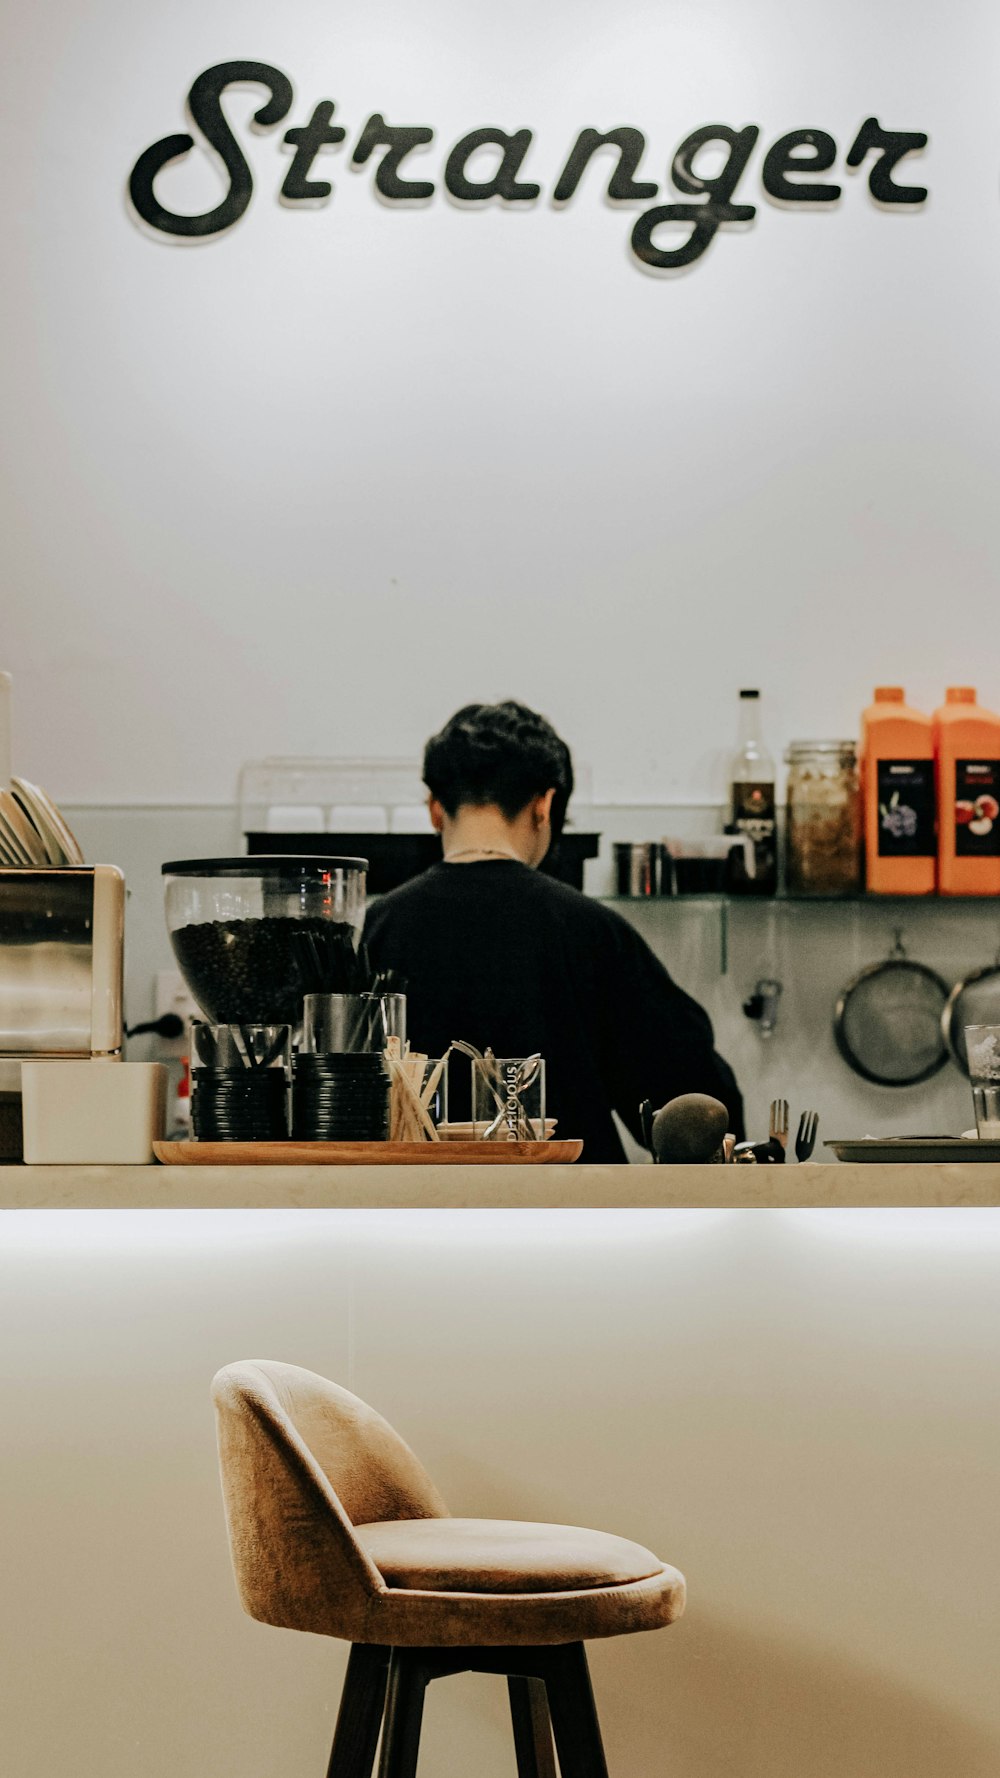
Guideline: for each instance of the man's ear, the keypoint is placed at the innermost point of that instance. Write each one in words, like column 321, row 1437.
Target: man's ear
column 436, row 812
column 541, row 808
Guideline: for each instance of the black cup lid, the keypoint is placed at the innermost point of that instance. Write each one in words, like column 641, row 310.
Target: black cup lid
column 266, row 865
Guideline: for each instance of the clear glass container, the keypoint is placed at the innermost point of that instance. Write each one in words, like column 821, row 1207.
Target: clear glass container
column 342, row 1024
column 252, row 936
column 508, row 1099
column 982, row 1046
column 823, row 833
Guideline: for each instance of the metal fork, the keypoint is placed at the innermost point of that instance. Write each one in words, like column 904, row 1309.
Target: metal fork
column 778, row 1127
column 805, row 1141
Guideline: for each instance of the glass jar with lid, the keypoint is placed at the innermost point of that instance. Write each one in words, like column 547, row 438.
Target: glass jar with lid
column 823, row 833
column 254, row 935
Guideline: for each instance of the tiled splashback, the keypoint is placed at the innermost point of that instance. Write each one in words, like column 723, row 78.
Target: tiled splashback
column 813, row 950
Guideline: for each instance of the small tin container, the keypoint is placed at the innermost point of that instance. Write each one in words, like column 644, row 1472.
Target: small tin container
column 639, row 868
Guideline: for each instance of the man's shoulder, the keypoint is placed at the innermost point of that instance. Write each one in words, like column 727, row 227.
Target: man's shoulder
column 582, row 911
column 447, row 883
column 533, row 889
column 407, row 895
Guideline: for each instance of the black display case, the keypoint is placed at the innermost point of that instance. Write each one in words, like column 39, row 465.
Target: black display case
column 394, row 858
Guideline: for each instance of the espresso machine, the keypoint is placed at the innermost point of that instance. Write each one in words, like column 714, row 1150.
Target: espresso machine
column 62, row 931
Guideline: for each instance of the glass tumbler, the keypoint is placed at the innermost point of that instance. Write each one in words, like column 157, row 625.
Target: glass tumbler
column 508, row 1099
column 338, row 1024
column 982, row 1046
column 435, row 1100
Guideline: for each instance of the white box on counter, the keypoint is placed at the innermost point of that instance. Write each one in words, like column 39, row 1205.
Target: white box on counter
column 99, row 1113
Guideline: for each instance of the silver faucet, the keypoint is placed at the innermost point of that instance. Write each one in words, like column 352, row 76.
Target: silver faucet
column 762, row 1005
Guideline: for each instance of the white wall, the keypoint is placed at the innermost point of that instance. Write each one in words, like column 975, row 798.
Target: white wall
column 306, row 487
column 801, row 1409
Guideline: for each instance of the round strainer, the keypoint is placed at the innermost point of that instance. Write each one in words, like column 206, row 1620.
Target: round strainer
column 975, row 1000
column 888, row 1022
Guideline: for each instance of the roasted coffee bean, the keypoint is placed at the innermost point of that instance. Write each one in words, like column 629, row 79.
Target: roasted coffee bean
column 255, row 972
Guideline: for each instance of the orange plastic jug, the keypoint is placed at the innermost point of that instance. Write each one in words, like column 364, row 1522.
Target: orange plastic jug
column 967, row 747
column 897, row 786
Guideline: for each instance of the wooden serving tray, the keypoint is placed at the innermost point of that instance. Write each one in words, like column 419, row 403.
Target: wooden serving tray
column 366, row 1154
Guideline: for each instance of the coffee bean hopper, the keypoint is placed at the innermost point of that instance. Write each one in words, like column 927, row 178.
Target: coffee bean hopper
column 253, row 936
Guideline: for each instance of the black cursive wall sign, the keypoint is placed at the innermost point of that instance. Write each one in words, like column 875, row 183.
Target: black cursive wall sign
column 206, row 111
column 790, row 174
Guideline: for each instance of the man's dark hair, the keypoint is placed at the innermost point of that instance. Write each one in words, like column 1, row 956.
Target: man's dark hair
column 499, row 753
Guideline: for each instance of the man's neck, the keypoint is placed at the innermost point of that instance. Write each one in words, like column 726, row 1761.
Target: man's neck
column 483, row 833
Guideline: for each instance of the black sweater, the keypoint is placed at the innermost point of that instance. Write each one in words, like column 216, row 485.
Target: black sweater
column 509, row 959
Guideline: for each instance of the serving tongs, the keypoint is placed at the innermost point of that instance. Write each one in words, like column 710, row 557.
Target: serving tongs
column 527, row 1074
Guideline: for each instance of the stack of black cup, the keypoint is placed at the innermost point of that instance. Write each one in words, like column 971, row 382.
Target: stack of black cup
column 342, row 1097
column 239, row 1083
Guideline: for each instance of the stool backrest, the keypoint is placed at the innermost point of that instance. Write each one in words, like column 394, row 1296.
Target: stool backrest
column 304, row 1461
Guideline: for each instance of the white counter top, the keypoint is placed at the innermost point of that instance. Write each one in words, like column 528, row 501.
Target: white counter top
column 501, row 1187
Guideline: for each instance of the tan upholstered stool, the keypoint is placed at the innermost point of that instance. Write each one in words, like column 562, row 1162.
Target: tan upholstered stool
column 335, row 1527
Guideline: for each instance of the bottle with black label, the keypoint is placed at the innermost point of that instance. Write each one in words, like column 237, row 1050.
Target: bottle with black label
column 752, row 804
column 967, row 749
column 897, row 778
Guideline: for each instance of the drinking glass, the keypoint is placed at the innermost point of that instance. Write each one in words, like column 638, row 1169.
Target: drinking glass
column 982, row 1047
column 437, row 1105
column 236, row 1049
column 340, row 1024
column 508, row 1099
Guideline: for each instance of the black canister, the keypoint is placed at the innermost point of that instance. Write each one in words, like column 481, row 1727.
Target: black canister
column 639, row 868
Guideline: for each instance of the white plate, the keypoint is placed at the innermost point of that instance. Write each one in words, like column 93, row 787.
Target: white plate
column 42, row 805
column 21, row 837
column 35, row 813
column 8, row 855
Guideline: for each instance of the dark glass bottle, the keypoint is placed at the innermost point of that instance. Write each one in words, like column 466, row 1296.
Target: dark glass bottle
column 752, row 807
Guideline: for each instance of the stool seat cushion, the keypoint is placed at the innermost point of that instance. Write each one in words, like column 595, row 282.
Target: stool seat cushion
column 501, row 1556
column 508, row 1582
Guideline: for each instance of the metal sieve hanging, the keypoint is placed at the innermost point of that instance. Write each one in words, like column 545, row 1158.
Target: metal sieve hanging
column 887, row 1022
column 974, row 1000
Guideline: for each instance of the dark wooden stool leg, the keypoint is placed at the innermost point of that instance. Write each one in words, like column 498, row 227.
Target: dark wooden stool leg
column 574, row 1716
column 360, row 1716
column 408, row 1677
column 529, row 1713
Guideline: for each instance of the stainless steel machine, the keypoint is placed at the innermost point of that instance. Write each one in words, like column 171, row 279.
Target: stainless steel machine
column 62, row 932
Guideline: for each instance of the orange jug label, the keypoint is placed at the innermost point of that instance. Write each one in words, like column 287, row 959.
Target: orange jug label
column 906, row 808
column 977, row 808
